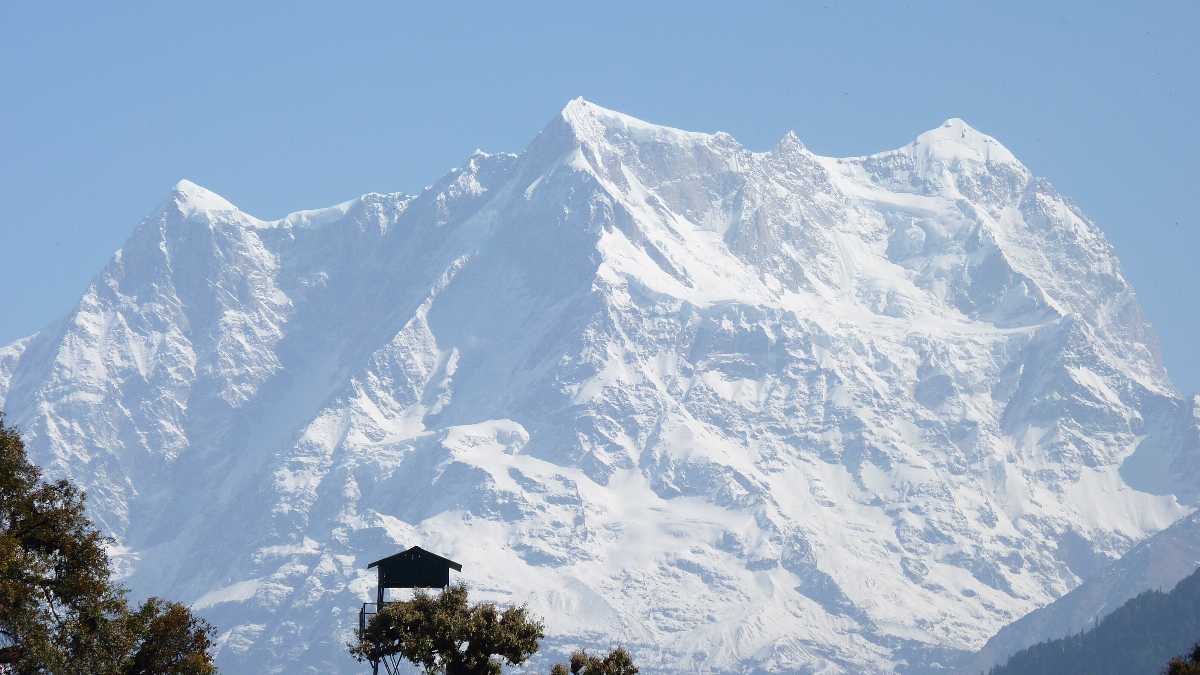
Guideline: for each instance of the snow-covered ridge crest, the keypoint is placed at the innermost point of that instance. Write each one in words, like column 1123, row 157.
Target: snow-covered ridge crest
column 952, row 140
column 734, row 409
column 194, row 201
column 592, row 121
column 191, row 198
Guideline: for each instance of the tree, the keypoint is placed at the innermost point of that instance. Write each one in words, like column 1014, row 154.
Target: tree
column 446, row 634
column 1185, row 666
column 170, row 640
column 618, row 662
column 59, row 610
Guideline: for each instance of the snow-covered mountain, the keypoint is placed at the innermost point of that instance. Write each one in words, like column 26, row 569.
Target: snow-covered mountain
column 737, row 410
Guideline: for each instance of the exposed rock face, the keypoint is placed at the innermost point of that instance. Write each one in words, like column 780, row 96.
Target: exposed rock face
column 735, row 410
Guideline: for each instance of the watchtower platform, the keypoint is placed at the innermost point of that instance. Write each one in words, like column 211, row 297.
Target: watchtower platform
column 413, row 568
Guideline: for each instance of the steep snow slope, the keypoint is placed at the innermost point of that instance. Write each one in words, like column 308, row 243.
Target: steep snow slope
column 9, row 356
column 734, row 409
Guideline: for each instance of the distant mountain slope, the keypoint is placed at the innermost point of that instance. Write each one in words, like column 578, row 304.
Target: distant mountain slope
column 736, row 410
column 1139, row 637
column 1158, row 563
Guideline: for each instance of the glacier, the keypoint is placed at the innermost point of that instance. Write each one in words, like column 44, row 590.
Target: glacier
column 738, row 411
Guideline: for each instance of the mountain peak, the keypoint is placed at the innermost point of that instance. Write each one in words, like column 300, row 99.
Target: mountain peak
column 954, row 139
column 591, row 122
column 577, row 105
column 192, row 198
column 580, row 109
column 790, row 141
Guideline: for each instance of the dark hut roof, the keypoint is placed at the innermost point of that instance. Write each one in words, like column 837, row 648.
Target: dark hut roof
column 414, row 553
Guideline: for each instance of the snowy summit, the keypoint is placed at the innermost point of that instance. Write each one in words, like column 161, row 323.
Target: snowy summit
column 735, row 410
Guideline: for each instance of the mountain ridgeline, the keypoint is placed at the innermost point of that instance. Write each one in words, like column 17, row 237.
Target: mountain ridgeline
column 1139, row 637
column 1157, row 563
column 731, row 409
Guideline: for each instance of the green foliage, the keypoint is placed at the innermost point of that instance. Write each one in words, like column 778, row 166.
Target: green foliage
column 618, row 662
column 446, row 634
column 59, row 611
column 1185, row 666
column 169, row 640
column 1139, row 637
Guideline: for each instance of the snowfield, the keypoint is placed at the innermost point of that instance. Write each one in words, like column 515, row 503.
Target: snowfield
column 739, row 411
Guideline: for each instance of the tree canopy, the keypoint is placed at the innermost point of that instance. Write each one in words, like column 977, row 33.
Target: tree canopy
column 447, row 634
column 60, row 612
column 1189, row 665
column 618, row 662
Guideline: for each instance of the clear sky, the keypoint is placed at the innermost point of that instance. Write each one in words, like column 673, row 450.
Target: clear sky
column 291, row 105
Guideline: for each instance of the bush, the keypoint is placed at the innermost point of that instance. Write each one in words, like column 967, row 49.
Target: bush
column 618, row 662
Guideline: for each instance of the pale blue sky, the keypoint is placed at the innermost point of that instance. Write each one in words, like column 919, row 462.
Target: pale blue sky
column 299, row 105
